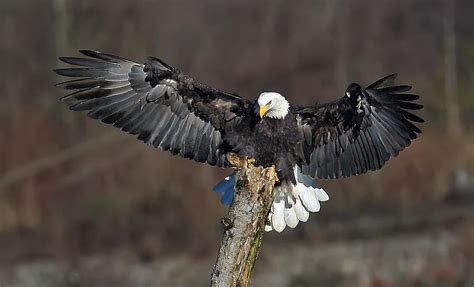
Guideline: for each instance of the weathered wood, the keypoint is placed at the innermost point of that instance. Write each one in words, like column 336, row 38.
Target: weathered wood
column 244, row 225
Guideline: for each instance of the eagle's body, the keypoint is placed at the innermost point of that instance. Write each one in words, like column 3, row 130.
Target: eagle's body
column 269, row 142
column 171, row 111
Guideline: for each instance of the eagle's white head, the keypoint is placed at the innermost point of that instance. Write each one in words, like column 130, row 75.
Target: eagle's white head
column 272, row 105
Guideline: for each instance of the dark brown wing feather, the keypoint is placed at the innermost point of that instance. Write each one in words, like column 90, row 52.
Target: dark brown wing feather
column 155, row 102
column 359, row 132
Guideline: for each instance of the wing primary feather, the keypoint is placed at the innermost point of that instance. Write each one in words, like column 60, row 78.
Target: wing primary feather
column 394, row 89
column 163, row 126
column 385, row 81
column 404, row 97
column 197, row 145
column 187, row 149
column 104, row 56
column 204, row 144
column 411, row 116
column 181, row 132
column 82, row 83
column 82, row 72
column 409, row 106
column 100, row 108
column 88, row 62
column 158, row 115
column 170, row 132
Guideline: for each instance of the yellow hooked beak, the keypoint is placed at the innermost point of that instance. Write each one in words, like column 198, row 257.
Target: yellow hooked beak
column 263, row 110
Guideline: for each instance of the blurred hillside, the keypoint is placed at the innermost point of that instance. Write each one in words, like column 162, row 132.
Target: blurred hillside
column 72, row 189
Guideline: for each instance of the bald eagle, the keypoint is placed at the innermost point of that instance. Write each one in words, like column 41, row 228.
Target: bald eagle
column 169, row 110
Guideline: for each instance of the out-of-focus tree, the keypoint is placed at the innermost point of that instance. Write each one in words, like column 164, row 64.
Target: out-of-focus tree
column 450, row 69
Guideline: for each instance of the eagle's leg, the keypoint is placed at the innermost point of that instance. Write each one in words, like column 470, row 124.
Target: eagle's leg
column 238, row 162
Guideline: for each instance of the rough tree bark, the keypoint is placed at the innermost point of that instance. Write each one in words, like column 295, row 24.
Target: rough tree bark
column 244, row 225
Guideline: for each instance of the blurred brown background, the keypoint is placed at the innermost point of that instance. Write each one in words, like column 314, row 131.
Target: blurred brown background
column 82, row 204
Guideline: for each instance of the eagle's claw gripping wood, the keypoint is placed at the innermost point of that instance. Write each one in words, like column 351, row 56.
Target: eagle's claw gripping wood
column 277, row 179
column 239, row 162
column 250, row 161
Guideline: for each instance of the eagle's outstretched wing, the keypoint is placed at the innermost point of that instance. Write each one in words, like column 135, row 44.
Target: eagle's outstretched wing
column 163, row 107
column 358, row 132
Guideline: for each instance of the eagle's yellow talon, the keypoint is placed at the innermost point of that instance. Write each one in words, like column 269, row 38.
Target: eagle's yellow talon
column 250, row 160
column 276, row 175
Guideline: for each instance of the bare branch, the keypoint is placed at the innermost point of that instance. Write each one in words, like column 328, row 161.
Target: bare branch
column 95, row 167
column 51, row 161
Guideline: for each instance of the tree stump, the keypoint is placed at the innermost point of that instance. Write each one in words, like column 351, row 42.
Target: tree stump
column 245, row 223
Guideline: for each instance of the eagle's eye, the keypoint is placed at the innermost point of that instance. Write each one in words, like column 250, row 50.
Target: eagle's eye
column 269, row 103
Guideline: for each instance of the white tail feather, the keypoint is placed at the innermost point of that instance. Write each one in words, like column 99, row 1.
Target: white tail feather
column 293, row 203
